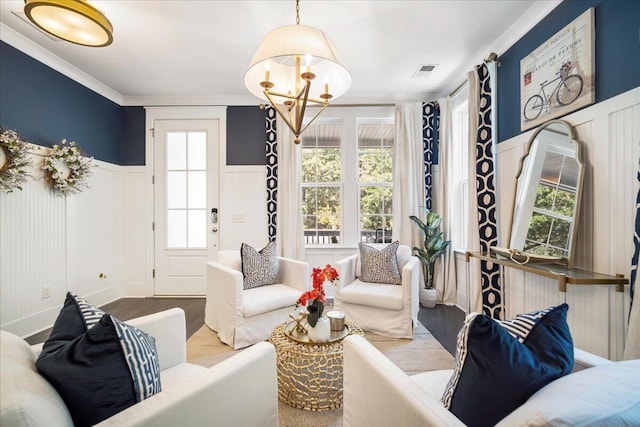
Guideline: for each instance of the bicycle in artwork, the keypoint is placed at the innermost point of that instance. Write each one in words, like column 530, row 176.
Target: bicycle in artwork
column 566, row 91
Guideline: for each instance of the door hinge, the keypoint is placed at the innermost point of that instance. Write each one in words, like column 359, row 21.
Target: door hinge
column 153, row 179
column 153, row 132
column 153, row 226
column 153, row 273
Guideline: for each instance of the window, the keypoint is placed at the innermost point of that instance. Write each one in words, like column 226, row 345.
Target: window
column 322, row 182
column 186, row 189
column 375, row 181
column 459, row 170
column 347, row 177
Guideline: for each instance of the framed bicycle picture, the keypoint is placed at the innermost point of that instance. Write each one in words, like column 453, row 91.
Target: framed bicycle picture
column 558, row 77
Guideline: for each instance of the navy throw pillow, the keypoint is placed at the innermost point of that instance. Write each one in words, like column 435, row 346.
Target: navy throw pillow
column 102, row 371
column 75, row 318
column 500, row 364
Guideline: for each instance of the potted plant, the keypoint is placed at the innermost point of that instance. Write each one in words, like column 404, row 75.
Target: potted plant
column 434, row 247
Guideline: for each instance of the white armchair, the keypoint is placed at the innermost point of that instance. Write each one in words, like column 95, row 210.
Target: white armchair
column 241, row 390
column 386, row 309
column 378, row 394
column 245, row 317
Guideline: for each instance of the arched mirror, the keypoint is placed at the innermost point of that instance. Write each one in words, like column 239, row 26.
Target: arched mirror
column 547, row 198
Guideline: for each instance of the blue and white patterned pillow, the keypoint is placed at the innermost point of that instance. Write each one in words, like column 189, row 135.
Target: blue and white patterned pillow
column 90, row 313
column 380, row 266
column 139, row 350
column 101, row 370
column 500, row 364
column 259, row 268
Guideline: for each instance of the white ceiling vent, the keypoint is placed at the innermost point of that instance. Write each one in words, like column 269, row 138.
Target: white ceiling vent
column 424, row 70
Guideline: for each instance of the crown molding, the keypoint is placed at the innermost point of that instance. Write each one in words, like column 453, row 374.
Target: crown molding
column 521, row 26
column 190, row 100
column 34, row 50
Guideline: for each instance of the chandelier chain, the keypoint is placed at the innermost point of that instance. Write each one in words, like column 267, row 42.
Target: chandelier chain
column 297, row 12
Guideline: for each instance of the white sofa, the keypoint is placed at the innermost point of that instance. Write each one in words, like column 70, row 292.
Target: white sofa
column 385, row 309
column 378, row 393
column 242, row 390
column 245, row 317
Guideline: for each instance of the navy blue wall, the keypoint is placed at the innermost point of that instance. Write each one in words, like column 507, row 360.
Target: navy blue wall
column 44, row 107
column 246, row 136
column 617, row 54
column 133, row 137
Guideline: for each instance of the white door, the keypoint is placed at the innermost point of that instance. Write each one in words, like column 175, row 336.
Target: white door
column 186, row 201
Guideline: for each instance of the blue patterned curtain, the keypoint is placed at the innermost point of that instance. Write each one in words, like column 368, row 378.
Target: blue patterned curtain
column 486, row 197
column 636, row 250
column 430, row 122
column 272, row 170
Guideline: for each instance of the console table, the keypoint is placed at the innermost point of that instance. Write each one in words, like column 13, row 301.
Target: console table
column 559, row 272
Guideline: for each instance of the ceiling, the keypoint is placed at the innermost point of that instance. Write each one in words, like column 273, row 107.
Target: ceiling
column 196, row 52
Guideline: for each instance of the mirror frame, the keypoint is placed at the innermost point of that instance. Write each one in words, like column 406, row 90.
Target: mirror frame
column 579, row 184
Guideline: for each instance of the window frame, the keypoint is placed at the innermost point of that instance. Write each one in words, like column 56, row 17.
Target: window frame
column 350, row 117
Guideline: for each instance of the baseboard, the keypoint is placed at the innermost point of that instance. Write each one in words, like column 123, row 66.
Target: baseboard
column 42, row 320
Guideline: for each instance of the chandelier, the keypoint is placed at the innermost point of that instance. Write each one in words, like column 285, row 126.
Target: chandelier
column 286, row 63
column 75, row 21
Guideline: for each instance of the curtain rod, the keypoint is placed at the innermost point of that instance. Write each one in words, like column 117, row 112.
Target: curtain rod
column 362, row 105
column 263, row 106
column 456, row 90
column 493, row 57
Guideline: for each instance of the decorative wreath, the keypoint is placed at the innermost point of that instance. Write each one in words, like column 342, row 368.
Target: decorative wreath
column 15, row 150
column 65, row 182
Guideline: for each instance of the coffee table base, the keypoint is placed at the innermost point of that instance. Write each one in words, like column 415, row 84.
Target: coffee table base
column 309, row 375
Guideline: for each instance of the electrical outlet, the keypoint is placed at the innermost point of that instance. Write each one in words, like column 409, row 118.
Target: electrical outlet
column 46, row 291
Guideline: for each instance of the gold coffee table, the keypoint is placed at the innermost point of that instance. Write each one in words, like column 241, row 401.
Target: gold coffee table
column 310, row 374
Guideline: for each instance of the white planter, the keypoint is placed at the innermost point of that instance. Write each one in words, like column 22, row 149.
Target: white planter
column 428, row 297
column 321, row 332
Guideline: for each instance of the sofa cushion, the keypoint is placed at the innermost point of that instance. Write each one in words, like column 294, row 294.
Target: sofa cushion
column 499, row 365
column 103, row 371
column 598, row 396
column 379, row 295
column 380, row 266
column 259, row 268
column 268, row 298
column 26, row 398
column 433, row 382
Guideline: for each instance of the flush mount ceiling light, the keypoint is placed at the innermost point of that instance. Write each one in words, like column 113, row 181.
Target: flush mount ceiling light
column 75, row 21
column 276, row 73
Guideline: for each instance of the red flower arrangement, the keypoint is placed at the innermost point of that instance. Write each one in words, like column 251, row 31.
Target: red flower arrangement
column 317, row 295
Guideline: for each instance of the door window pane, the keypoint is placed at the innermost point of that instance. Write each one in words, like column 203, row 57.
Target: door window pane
column 197, row 151
column 176, row 190
column 176, row 150
column 176, row 228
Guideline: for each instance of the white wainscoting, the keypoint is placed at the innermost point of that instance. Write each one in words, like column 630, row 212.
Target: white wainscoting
column 64, row 243
column 137, row 235
column 243, row 207
column 610, row 133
